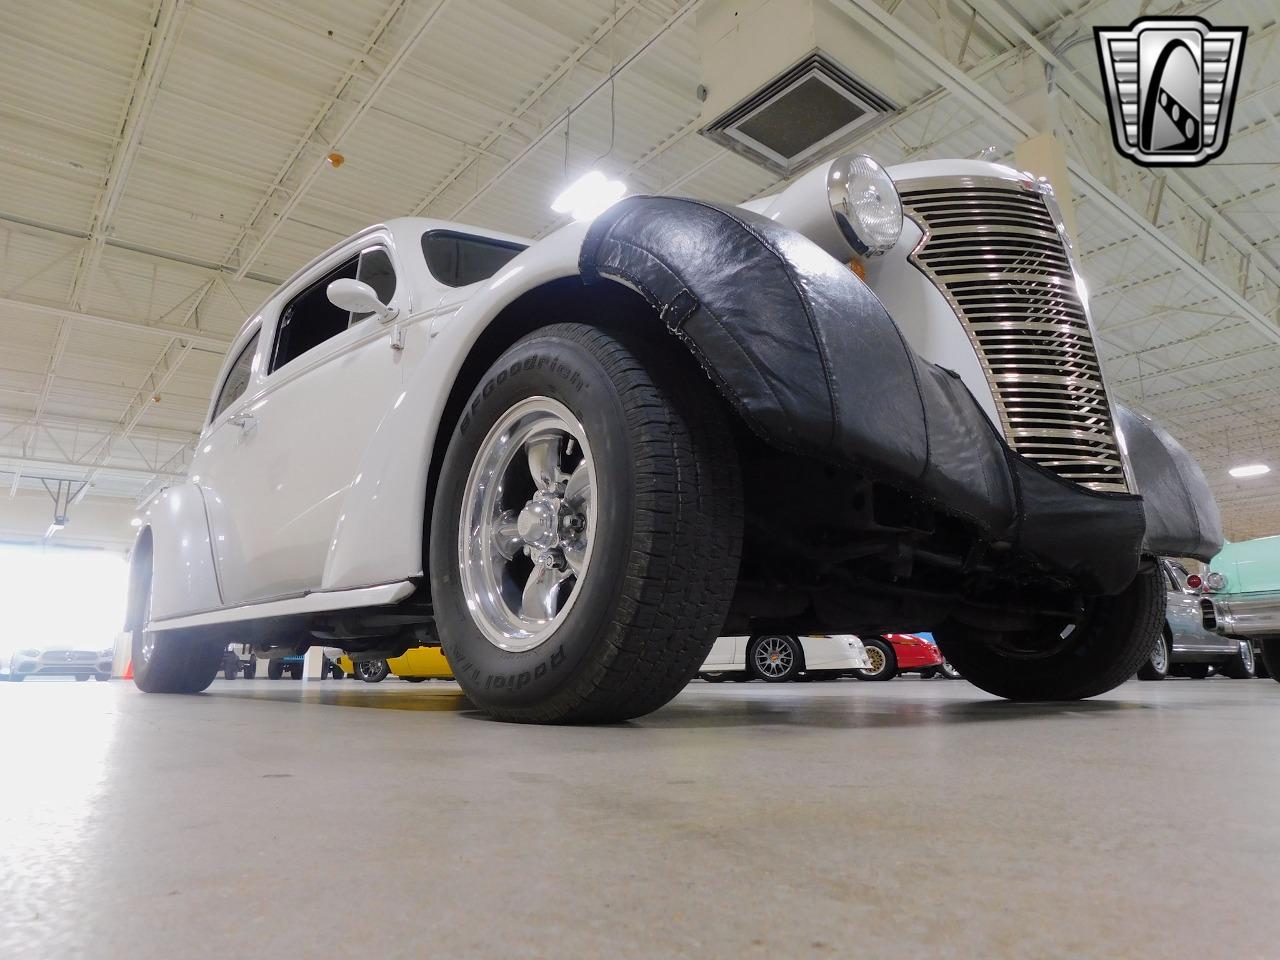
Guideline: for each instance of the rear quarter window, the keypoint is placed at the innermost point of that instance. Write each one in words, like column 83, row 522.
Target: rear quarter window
column 457, row 259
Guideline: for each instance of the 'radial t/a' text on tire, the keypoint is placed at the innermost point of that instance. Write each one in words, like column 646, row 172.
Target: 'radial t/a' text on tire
column 587, row 527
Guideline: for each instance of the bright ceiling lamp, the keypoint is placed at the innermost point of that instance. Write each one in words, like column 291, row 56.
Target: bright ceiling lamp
column 1250, row 470
column 588, row 196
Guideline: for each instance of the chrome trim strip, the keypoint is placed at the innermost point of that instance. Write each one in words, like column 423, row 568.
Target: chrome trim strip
column 319, row 601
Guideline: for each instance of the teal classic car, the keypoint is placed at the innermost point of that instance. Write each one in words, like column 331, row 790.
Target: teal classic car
column 1245, row 580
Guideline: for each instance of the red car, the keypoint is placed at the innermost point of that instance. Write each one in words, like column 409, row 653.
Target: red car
column 895, row 653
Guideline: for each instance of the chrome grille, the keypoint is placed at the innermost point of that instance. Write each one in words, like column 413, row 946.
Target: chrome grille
column 994, row 250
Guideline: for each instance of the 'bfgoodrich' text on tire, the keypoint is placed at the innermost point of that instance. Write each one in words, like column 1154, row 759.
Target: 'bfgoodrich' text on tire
column 667, row 534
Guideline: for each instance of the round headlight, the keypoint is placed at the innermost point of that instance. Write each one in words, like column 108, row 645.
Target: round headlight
column 1215, row 581
column 865, row 203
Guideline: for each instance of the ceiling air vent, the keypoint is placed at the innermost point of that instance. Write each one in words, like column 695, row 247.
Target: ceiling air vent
column 814, row 107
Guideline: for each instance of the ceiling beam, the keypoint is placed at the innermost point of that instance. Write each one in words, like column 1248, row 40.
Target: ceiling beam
column 74, row 470
column 676, row 17
column 197, row 338
column 475, row 153
column 270, row 217
column 1085, row 96
column 142, row 94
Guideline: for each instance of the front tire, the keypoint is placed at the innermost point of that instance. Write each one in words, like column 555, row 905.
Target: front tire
column 1157, row 665
column 1102, row 650
column 884, row 662
column 775, row 658
column 275, row 669
column 603, row 505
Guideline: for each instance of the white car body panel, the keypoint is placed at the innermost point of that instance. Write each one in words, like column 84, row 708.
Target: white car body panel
column 843, row 652
column 182, row 552
column 327, row 492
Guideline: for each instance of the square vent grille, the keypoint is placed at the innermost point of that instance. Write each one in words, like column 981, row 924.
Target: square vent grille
column 813, row 107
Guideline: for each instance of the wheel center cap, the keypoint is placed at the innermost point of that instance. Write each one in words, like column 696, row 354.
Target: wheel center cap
column 539, row 522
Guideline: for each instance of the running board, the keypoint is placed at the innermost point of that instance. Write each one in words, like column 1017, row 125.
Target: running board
column 321, row 601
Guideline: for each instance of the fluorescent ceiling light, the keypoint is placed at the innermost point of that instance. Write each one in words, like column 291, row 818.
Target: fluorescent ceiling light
column 135, row 522
column 1250, row 470
column 588, row 196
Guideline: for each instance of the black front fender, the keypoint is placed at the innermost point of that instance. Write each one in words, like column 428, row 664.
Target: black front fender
column 810, row 359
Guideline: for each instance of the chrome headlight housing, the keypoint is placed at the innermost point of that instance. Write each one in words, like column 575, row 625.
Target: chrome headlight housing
column 865, row 203
column 1215, row 581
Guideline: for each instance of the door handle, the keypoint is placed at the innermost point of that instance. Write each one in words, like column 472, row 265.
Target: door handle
column 245, row 421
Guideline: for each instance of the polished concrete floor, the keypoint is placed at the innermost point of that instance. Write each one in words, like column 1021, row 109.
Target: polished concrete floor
column 905, row 819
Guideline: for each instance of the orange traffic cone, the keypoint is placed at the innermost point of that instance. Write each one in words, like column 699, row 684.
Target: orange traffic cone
column 128, row 671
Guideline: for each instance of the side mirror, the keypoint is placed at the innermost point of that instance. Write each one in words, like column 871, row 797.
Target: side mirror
column 356, row 296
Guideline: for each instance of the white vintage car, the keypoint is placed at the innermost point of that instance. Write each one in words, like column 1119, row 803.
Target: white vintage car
column 866, row 404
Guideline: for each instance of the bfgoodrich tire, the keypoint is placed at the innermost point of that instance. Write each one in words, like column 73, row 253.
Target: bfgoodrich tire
column 1101, row 651
column 599, row 553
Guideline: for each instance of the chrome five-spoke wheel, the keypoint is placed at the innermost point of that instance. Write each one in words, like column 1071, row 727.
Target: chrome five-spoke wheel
column 528, row 523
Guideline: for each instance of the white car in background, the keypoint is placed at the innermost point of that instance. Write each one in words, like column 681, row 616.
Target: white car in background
column 58, row 660
column 776, row 658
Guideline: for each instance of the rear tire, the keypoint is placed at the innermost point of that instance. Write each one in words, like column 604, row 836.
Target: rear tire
column 295, row 671
column 275, row 669
column 663, row 518
column 1113, row 638
column 1157, row 665
column 884, row 662
column 1241, row 666
column 1195, row 671
column 173, row 661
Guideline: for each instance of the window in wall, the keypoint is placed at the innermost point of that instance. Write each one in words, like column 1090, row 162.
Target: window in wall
column 457, row 259
column 237, row 377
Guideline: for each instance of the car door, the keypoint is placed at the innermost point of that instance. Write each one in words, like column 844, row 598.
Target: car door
column 278, row 462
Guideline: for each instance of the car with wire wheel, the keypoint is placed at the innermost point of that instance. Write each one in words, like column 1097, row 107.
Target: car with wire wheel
column 868, row 402
column 1190, row 644
column 897, row 653
column 58, row 659
column 778, row 658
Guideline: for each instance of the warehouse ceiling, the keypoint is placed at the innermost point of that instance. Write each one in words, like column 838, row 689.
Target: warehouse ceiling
column 164, row 164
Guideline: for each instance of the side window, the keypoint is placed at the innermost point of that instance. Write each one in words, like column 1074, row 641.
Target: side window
column 237, row 378
column 457, row 259
column 309, row 319
column 376, row 270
